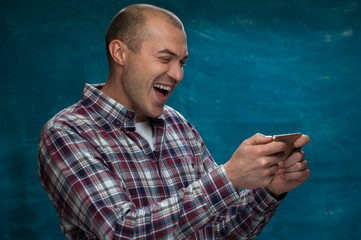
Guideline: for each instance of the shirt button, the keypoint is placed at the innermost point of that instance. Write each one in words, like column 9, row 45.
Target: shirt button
column 117, row 123
column 130, row 115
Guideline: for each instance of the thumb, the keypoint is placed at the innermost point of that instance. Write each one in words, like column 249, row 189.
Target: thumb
column 259, row 138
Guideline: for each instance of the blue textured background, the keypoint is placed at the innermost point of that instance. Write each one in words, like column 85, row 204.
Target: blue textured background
column 255, row 66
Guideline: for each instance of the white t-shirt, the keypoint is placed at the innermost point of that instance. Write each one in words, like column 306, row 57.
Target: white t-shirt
column 146, row 131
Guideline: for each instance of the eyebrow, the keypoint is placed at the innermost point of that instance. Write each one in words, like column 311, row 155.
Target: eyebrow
column 171, row 53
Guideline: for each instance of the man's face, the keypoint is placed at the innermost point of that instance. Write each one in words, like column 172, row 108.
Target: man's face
column 152, row 74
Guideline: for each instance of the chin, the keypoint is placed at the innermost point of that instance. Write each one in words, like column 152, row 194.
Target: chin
column 156, row 113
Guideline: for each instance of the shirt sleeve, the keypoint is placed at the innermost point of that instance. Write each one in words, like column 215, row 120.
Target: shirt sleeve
column 246, row 219
column 92, row 202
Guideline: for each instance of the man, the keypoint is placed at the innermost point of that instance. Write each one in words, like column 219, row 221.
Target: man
column 120, row 164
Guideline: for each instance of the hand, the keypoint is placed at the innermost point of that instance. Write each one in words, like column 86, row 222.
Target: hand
column 255, row 162
column 292, row 172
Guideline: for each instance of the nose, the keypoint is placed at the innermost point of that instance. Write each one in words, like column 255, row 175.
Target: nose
column 175, row 71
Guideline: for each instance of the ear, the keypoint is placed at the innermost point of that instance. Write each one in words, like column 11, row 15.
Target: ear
column 116, row 50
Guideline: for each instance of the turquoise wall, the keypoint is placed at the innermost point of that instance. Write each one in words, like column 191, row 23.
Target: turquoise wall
column 255, row 66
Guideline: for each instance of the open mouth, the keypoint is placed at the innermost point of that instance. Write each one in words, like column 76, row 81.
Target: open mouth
column 163, row 89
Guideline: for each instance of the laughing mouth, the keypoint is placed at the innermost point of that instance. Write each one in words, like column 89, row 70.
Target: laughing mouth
column 162, row 89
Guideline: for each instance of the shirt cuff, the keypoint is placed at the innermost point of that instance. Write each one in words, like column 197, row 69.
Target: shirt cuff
column 219, row 191
column 264, row 200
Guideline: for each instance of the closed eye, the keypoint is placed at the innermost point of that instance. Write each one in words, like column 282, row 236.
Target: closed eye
column 182, row 63
column 165, row 59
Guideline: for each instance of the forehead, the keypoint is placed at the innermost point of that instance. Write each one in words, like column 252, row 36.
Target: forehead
column 164, row 35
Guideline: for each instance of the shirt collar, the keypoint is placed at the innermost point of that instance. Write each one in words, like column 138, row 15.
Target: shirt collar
column 107, row 107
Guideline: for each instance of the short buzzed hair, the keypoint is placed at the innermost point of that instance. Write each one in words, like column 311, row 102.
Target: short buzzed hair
column 130, row 25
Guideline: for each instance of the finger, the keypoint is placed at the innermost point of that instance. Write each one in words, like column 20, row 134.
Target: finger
column 278, row 147
column 259, row 138
column 299, row 176
column 276, row 158
column 272, row 150
column 270, row 161
column 296, row 156
column 305, row 175
column 299, row 166
column 301, row 141
column 271, row 171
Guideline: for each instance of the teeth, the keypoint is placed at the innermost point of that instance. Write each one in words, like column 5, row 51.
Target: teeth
column 166, row 88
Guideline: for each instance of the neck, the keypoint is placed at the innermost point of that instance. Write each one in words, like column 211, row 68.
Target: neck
column 114, row 89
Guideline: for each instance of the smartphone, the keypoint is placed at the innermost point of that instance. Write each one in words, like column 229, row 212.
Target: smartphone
column 289, row 139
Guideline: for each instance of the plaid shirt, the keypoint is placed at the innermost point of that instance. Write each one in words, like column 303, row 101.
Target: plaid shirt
column 107, row 183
